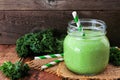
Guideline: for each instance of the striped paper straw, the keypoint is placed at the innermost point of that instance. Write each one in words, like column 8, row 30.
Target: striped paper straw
column 50, row 64
column 77, row 21
column 48, row 56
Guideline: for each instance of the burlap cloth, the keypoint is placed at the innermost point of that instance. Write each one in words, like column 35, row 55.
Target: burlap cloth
column 36, row 64
column 110, row 73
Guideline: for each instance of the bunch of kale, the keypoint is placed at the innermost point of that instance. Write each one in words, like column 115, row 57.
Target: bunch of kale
column 115, row 56
column 14, row 71
column 42, row 42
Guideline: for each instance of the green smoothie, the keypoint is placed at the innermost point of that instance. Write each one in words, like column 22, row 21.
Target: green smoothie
column 87, row 54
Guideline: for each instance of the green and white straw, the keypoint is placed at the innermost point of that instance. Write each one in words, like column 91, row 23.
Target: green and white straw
column 50, row 64
column 48, row 56
column 77, row 21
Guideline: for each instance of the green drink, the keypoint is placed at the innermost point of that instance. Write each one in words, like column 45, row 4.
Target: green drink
column 87, row 54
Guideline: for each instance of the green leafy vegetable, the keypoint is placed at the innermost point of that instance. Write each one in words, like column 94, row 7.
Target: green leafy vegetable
column 115, row 56
column 45, row 41
column 14, row 71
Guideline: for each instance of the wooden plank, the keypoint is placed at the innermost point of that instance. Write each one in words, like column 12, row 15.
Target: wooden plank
column 14, row 24
column 8, row 38
column 59, row 4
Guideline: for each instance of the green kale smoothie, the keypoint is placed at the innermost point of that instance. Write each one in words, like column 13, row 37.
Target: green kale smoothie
column 87, row 54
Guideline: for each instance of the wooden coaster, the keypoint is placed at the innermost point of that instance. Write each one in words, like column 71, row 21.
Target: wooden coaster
column 36, row 64
column 110, row 73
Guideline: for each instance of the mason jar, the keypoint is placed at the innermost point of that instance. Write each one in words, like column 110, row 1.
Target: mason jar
column 88, row 54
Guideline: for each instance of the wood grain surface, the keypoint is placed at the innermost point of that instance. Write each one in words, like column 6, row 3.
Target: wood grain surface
column 59, row 4
column 14, row 24
column 18, row 17
column 8, row 53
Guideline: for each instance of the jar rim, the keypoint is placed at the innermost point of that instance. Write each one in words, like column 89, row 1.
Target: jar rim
column 92, row 24
column 89, row 20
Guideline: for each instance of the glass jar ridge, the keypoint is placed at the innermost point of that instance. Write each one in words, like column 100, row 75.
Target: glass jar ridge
column 87, row 24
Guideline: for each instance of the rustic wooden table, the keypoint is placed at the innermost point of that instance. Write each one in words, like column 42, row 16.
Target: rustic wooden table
column 18, row 17
column 8, row 53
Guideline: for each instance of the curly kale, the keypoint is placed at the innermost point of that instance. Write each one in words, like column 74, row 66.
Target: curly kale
column 22, row 45
column 44, row 41
column 15, row 71
column 59, row 45
column 47, row 41
column 115, row 56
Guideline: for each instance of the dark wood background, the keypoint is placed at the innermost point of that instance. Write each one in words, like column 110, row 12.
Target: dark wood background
column 18, row 17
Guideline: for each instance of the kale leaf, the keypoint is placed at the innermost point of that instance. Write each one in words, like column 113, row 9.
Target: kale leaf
column 15, row 71
column 114, row 56
column 39, row 43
